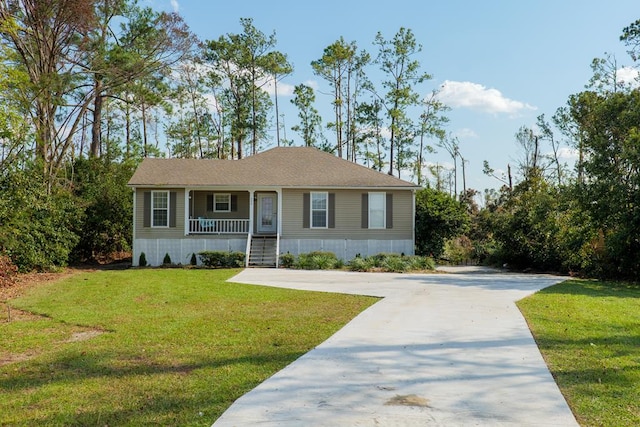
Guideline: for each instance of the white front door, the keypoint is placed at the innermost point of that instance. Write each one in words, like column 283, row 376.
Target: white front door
column 267, row 213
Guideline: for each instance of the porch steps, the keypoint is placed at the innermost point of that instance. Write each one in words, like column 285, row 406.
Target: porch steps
column 263, row 251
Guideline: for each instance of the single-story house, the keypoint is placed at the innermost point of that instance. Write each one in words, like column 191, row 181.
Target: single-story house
column 286, row 199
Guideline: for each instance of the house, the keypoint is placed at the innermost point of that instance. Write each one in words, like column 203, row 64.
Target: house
column 286, row 199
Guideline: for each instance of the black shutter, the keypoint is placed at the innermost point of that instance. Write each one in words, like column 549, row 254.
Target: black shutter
column 365, row 210
column 210, row 202
column 173, row 197
column 146, row 206
column 306, row 209
column 389, row 210
column 332, row 210
column 234, row 203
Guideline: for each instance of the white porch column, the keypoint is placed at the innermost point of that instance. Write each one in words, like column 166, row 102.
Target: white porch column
column 187, row 205
column 251, row 208
column 279, row 214
column 279, row 227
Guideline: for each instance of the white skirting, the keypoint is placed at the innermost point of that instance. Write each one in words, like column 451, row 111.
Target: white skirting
column 180, row 250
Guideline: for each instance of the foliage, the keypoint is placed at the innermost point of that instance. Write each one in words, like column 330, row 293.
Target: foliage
column 438, row 217
column 317, row 260
column 459, row 250
column 8, row 271
column 150, row 358
column 589, row 335
column 287, row 260
column 222, row 259
column 166, row 260
column 391, row 263
column 142, row 262
column 35, row 225
column 106, row 227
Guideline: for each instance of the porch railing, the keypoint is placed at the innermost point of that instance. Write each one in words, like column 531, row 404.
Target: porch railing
column 218, row 226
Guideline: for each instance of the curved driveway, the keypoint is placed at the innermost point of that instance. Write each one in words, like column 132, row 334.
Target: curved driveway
column 438, row 349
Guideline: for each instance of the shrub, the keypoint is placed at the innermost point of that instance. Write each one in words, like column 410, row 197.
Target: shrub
column 287, row 260
column 166, row 260
column 194, row 259
column 458, row 250
column 142, row 262
column 420, row 263
column 317, row 260
column 394, row 264
column 222, row 259
column 360, row 264
column 8, row 271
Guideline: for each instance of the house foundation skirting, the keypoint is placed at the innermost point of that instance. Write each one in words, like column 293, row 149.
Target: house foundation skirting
column 180, row 250
column 346, row 249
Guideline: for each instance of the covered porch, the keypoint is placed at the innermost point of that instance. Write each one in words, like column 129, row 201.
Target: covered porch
column 233, row 211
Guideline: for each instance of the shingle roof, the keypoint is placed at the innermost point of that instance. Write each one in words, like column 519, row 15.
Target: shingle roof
column 277, row 167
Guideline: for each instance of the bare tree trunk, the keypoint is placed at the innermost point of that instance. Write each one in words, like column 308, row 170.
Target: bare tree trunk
column 94, row 150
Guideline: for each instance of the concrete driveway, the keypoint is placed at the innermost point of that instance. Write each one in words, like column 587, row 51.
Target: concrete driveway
column 439, row 349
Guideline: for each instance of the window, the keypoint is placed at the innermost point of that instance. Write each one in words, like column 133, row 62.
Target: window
column 159, row 208
column 222, row 202
column 319, row 204
column 377, row 210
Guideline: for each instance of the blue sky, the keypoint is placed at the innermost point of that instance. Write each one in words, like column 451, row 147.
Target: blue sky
column 502, row 63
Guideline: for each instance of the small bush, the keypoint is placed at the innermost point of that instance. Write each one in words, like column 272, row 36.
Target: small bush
column 458, row 250
column 360, row 264
column 142, row 262
column 287, row 260
column 8, row 271
column 166, row 260
column 317, row 260
column 394, row 264
column 222, row 259
column 194, row 259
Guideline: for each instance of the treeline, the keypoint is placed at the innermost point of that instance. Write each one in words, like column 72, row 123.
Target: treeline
column 90, row 87
column 583, row 219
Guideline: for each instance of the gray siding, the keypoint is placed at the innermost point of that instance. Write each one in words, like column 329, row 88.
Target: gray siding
column 348, row 217
column 200, row 205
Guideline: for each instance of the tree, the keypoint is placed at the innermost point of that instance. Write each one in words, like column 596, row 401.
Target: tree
column 310, row 120
column 242, row 65
column 47, row 38
column 395, row 58
column 438, row 217
column 343, row 68
column 147, row 45
column 432, row 121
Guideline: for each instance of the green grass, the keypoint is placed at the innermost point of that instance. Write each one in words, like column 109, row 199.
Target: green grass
column 589, row 335
column 177, row 346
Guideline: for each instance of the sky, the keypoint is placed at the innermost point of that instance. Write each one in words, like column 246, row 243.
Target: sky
column 497, row 63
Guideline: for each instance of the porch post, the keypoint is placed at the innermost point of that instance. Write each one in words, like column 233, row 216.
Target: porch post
column 279, row 226
column 187, row 206
column 246, row 257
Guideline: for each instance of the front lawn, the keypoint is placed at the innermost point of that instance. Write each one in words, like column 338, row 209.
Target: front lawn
column 153, row 346
column 589, row 335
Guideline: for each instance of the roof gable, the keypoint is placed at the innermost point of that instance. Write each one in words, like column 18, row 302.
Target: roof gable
column 277, row 167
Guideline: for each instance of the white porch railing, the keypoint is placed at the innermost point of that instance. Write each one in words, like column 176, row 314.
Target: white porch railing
column 218, row 226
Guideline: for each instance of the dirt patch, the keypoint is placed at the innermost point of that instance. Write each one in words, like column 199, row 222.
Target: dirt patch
column 85, row 335
column 408, row 400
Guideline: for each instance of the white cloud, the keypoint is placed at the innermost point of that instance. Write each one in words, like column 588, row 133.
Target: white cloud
column 478, row 97
column 465, row 133
column 567, row 153
column 629, row 75
column 175, row 5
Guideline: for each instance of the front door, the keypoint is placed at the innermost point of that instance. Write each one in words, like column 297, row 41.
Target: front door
column 267, row 213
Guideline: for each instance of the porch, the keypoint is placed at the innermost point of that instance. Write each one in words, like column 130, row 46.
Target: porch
column 231, row 212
